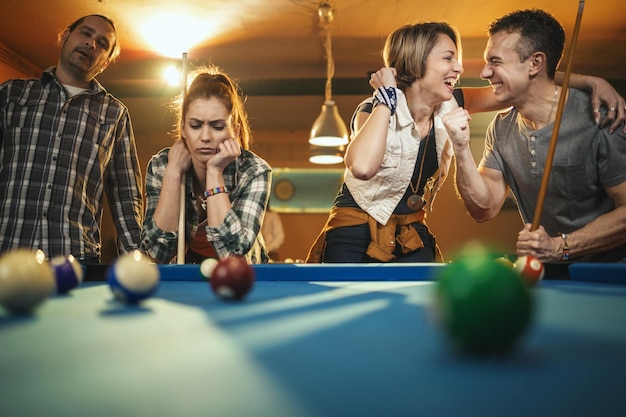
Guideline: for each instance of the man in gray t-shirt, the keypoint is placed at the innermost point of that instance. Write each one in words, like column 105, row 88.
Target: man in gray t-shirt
column 584, row 213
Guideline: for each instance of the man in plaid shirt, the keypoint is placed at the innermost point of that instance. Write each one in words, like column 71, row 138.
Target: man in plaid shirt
column 64, row 143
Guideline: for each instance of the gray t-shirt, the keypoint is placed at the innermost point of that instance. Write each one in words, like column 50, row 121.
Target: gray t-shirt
column 586, row 161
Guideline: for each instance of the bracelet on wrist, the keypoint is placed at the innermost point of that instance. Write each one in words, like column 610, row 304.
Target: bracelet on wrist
column 387, row 97
column 210, row 192
column 565, row 253
column 213, row 191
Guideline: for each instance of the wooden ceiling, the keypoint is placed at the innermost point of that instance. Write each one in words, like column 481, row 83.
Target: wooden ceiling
column 274, row 47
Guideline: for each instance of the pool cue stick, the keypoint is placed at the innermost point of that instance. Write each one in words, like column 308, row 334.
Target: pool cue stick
column 557, row 122
column 180, row 258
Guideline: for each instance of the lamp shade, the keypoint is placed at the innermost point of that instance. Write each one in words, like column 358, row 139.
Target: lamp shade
column 329, row 129
column 326, row 155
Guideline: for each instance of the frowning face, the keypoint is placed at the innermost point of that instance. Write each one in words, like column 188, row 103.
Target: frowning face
column 207, row 124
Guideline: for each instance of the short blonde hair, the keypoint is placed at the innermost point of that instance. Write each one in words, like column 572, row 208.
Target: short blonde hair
column 407, row 48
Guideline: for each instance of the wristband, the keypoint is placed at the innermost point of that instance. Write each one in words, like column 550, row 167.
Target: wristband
column 387, row 97
column 565, row 254
column 208, row 193
column 213, row 191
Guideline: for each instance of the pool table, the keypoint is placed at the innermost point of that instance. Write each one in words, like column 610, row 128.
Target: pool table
column 308, row 341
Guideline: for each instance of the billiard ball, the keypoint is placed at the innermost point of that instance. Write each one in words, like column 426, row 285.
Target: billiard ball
column 505, row 261
column 68, row 273
column 26, row 280
column 530, row 269
column 133, row 277
column 207, row 266
column 482, row 305
column 232, row 278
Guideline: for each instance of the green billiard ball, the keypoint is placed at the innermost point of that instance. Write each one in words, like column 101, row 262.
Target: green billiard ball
column 483, row 305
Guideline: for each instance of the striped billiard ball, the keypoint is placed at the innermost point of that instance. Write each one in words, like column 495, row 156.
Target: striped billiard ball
column 133, row 277
column 530, row 269
column 68, row 273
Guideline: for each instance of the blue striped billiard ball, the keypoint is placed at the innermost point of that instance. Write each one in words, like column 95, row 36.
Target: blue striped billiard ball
column 133, row 277
column 68, row 273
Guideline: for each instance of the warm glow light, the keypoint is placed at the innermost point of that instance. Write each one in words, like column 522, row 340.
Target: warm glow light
column 172, row 76
column 326, row 155
column 326, row 159
column 171, row 34
column 329, row 129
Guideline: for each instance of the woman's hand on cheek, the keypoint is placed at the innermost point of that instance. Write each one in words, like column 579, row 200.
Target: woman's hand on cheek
column 227, row 152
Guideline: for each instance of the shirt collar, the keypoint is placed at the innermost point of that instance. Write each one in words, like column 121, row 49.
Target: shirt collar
column 49, row 75
column 403, row 114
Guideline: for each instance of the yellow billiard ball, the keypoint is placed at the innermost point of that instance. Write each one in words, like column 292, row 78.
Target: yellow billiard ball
column 26, row 280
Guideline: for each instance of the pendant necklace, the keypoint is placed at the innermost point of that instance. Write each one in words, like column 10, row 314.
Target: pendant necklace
column 201, row 201
column 416, row 201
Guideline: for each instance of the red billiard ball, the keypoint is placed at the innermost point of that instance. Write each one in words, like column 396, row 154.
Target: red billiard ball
column 232, row 278
column 68, row 273
column 530, row 269
column 26, row 280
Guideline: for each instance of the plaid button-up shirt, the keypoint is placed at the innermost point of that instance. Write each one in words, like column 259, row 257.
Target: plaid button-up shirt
column 59, row 155
column 248, row 179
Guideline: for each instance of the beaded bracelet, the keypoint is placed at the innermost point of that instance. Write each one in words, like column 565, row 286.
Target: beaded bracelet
column 208, row 193
column 217, row 190
column 387, row 97
column 565, row 254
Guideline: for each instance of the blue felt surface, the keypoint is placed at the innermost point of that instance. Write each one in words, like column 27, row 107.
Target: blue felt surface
column 609, row 273
column 306, row 349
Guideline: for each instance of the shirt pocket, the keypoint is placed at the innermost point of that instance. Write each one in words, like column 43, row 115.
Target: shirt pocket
column 100, row 129
column 22, row 113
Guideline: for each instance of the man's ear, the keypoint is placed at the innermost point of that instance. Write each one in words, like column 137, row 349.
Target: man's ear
column 64, row 36
column 537, row 63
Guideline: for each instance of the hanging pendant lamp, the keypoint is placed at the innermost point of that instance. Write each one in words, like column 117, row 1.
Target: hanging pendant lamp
column 329, row 134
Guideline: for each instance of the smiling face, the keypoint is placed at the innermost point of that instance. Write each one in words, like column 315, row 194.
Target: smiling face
column 443, row 69
column 504, row 70
column 426, row 56
column 86, row 50
column 207, row 123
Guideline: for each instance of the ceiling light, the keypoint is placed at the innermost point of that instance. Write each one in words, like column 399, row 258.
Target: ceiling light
column 329, row 130
column 172, row 76
column 326, row 155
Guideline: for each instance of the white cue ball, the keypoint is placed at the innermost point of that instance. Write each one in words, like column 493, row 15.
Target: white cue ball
column 26, row 280
column 133, row 277
column 207, row 266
